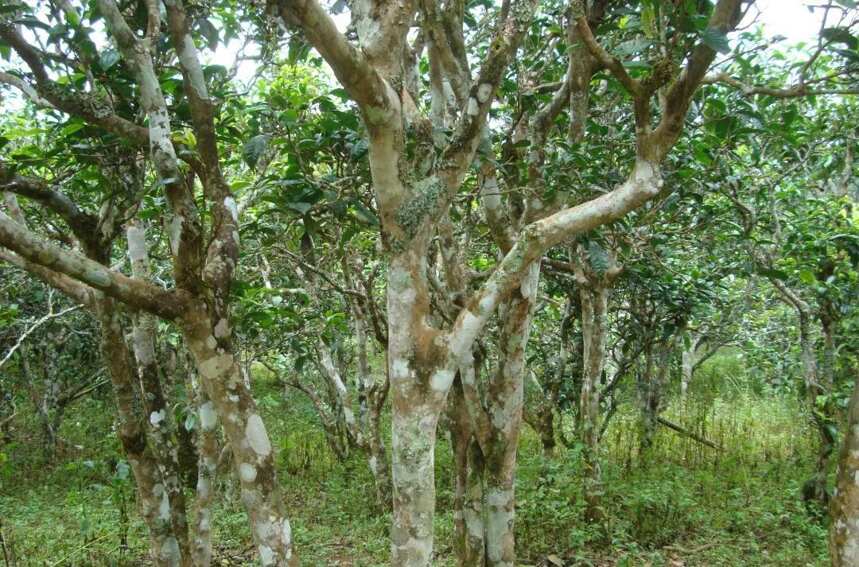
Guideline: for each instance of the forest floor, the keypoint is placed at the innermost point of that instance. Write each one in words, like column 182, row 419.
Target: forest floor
column 686, row 505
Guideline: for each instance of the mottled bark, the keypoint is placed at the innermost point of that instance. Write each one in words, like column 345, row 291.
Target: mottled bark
column 161, row 428
column 815, row 489
column 594, row 303
column 246, row 435
column 208, row 450
column 651, row 389
column 687, row 365
column 469, row 542
column 152, row 495
column 844, row 507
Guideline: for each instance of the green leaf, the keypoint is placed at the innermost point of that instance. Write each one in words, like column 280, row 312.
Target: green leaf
column 716, row 40
column 807, row 277
column 648, row 21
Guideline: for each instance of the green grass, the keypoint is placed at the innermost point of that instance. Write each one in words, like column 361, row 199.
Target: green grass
column 690, row 505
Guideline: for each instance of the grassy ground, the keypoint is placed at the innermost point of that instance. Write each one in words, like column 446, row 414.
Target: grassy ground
column 687, row 505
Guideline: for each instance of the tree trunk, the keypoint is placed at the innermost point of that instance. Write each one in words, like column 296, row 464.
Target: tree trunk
column 420, row 377
column 207, row 468
column 154, row 499
column 815, row 488
column 687, row 364
column 594, row 305
column 161, row 425
column 246, row 435
column 469, row 542
column 651, row 383
column 378, row 458
column 496, row 421
column 844, row 508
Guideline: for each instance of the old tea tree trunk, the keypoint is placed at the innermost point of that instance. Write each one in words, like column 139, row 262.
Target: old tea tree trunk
column 203, row 261
column 413, row 195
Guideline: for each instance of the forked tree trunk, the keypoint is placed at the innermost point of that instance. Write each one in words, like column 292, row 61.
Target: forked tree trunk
column 490, row 471
column 844, row 507
column 505, row 396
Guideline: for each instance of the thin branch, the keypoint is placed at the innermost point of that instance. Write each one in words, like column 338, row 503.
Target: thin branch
column 32, row 328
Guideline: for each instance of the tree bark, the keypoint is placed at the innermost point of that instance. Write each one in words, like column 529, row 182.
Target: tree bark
column 154, row 498
column 844, row 507
column 594, row 304
column 253, row 457
column 161, row 424
column 207, row 466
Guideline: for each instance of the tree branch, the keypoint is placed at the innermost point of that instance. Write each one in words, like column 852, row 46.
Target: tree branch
column 350, row 66
column 132, row 291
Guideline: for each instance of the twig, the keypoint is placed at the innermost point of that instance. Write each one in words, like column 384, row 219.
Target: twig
column 33, row 327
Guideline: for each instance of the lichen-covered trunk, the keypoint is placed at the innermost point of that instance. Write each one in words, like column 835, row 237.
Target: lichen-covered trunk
column 50, row 413
column 161, row 427
column 650, row 389
column 815, row 488
column 153, row 497
column 207, row 467
column 844, row 507
column 380, row 467
column 490, row 471
column 420, row 377
column 469, row 542
column 245, row 432
column 542, row 420
column 505, row 397
column 594, row 303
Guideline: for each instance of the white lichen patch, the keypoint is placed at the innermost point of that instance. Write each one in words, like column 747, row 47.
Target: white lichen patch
column 247, row 472
column 230, row 205
column 484, row 91
column 164, row 507
column 473, row 108
column 175, row 232
column 170, row 550
column 257, row 437
column 136, row 243
column 216, row 366
column 222, row 329
column 208, row 418
column 266, row 555
column 441, row 380
column 399, row 368
column 211, row 342
column 156, row 417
